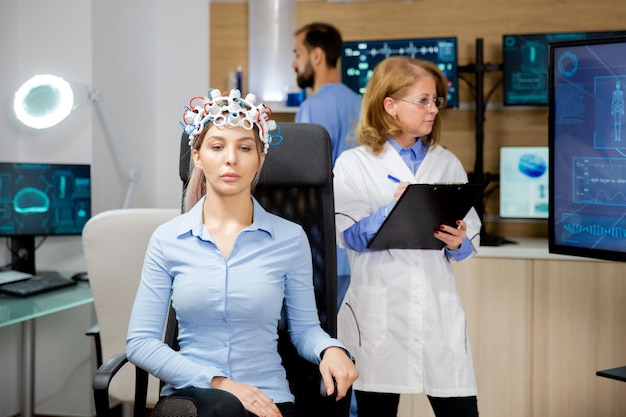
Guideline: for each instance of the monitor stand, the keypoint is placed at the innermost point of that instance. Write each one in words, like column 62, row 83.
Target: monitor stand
column 23, row 253
column 493, row 240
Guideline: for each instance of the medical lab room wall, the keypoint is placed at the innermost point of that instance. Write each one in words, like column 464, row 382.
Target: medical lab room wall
column 136, row 55
column 146, row 58
column 468, row 20
column 29, row 44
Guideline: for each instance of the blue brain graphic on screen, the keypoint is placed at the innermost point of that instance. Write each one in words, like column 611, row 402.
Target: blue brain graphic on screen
column 532, row 165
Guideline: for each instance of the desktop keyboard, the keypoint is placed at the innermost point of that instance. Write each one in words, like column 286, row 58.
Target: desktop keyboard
column 36, row 285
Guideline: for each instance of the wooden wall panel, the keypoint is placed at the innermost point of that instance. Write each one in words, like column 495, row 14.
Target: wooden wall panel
column 468, row 20
column 578, row 329
column 499, row 318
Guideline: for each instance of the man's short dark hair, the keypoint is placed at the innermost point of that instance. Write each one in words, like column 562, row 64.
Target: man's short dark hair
column 324, row 36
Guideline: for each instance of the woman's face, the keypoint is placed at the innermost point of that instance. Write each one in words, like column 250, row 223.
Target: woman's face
column 417, row 119
column 230, row 159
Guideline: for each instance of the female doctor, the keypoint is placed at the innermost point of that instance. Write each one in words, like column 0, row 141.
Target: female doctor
column 402, row 317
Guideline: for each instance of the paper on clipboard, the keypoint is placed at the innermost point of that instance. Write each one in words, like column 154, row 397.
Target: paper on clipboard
column 420, row 211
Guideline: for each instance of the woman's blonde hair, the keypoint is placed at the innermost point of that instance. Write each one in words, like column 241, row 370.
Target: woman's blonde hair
column 392, row 78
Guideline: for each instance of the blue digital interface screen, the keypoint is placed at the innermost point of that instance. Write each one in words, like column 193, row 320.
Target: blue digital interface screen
column 359, row 58
column 588, row 148
column 44, row 199
column 525, row 64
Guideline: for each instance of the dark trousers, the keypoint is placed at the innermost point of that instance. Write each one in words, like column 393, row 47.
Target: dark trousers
column 377, row 404
column 197, row 402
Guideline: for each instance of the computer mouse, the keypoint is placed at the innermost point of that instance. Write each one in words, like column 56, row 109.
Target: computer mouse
column 80, row 276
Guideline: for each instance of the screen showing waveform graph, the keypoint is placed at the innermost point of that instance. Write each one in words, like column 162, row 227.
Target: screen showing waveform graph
column 599, row 181
column 359, row 58
column 597, row 232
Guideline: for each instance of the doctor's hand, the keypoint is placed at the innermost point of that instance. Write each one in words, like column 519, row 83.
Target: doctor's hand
column 251, row 397
column 400, row 190
column 452, row 236
column 336, row 364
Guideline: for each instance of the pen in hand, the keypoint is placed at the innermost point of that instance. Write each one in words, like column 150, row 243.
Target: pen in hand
column 394, row 179
column 401, row 186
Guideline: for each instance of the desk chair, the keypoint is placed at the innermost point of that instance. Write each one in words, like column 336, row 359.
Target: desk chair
column 295, row 183
column 114, row 243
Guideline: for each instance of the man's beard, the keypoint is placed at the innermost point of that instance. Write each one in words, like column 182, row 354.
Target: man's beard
column 307, row 78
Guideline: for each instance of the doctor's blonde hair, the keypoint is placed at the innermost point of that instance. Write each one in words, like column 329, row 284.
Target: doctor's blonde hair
column 392, row 78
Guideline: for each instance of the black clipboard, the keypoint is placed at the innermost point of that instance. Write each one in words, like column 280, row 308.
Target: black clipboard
column 420, row 211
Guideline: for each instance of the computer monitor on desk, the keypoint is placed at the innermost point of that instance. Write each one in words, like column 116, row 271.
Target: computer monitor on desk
column 41, row 200
column 524, row 182
column 359, row 58
column 526, row 64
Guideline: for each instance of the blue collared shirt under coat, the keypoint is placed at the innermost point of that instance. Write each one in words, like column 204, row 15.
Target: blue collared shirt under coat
column 227, row 309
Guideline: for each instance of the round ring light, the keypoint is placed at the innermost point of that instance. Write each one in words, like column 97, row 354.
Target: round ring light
column 43, row 101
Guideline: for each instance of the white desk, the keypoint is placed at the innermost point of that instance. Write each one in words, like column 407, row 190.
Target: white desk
column 527, row 248
column 14, row 310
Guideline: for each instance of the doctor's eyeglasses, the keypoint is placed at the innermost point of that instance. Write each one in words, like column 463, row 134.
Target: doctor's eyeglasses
column 425, row 102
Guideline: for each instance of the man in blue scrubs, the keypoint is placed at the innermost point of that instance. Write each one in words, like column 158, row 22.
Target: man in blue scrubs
column 317, row 49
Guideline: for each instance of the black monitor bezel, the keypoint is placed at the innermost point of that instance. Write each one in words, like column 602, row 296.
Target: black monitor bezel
column 451, row 103
column 553, row 246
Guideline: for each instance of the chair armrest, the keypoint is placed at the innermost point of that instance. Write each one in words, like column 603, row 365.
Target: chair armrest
column 94, row 331
column 102, row 380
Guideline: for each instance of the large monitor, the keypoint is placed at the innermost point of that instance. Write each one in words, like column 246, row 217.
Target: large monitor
column 524, row 182
column 360, row 57
column 588, row 148
column 525, row 64
column 41, row 200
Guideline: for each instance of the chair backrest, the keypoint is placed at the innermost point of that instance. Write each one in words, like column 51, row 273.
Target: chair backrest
column 296, row 184
column 114, row 244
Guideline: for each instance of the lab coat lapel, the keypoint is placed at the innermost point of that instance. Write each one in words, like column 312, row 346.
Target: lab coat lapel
column 394, row 164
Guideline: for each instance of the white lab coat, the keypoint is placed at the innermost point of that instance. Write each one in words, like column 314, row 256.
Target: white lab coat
column 402, row 317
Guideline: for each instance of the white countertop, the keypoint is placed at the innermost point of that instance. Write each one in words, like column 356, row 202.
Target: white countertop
column 527, row 248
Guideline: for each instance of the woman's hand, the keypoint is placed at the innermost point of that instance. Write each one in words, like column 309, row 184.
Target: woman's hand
column 251, row 397
column 452, row 236
column 336, row 364
column 400, row 190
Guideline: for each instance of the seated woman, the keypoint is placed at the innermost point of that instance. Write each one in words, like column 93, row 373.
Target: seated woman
column 228, row 266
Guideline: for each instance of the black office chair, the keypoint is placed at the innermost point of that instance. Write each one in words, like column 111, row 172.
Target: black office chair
column 295, row 183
